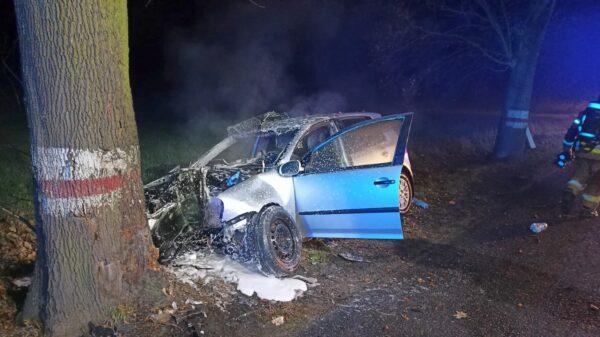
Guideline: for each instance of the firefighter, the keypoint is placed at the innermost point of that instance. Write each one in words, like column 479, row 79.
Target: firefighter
column 582, row 144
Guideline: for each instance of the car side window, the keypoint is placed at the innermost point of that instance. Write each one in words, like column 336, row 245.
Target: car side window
column 345, row 123
column 373, row 144
column 311, row 139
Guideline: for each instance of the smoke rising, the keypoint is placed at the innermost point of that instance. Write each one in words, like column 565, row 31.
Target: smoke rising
column 244, row 60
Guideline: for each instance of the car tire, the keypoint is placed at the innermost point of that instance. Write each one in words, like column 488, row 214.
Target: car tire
column 275, row 241
column 405, row 193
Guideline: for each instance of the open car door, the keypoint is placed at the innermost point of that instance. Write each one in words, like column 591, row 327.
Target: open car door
column 349, row 186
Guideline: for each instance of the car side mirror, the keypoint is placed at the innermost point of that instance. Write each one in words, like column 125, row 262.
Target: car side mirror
column 290, row 169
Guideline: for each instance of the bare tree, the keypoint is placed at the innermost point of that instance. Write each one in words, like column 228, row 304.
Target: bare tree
column 500, row 35
column 93, row 241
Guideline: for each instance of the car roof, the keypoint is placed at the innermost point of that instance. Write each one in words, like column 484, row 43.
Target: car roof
column 273, row 122
column 280, row 123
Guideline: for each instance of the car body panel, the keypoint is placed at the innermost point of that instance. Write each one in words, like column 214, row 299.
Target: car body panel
column 346, row 204
column 253, row 194
column 352, row 203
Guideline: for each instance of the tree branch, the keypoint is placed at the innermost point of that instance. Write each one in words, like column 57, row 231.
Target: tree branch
column 492, row 20
column 490, row 54
column 20, row 218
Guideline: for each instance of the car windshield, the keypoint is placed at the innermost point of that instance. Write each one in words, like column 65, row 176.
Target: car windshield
column 265, row 145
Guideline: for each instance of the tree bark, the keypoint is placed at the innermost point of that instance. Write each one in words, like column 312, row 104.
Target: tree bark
column 93, row 240
column 511, row 138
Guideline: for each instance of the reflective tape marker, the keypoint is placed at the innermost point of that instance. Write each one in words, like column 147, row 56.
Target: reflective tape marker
column 575, row 184
column 518, row 114
column 530, row 140
column 591, row 198
column 516, row 125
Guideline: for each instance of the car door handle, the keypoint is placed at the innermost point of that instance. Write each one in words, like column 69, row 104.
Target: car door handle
column 384, row 182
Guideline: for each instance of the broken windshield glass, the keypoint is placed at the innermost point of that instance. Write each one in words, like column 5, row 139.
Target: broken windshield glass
column 267, row 146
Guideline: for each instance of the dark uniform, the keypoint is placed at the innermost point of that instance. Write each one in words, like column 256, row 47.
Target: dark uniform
column 582, row 142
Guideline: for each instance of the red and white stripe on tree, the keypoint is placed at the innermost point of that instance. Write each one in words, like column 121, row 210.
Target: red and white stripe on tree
column 75, row 181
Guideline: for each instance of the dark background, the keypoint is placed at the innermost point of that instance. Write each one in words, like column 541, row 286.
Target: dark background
column 193, row 60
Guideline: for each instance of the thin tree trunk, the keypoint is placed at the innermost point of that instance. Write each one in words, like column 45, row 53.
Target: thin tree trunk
column 93, row 240
column 511, row 138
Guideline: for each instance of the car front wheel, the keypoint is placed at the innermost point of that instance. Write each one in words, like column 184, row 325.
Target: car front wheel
column 405, row 193
column 276, row 241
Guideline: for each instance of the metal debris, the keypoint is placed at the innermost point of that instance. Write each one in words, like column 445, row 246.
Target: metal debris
column 22, row 282
column 420, row 203
column 538, row 227
column 310, row 281
column 351, row 257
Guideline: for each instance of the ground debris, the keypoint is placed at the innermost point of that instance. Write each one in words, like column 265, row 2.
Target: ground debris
column 277, row 321
column 351, row 257
column 594, row 307
column 309, row 280
column 22, row 282
column 460, row 315
column 538, row 227
column 101, row 331
column 420, row 203
column 192, row 302
column 162, row 316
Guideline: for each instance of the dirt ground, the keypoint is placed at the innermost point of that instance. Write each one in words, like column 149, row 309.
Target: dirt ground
column 469, row 266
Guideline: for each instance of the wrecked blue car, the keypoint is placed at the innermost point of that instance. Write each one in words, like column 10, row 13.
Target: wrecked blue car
column 277, row 179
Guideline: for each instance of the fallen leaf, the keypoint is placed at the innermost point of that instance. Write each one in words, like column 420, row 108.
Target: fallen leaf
column 161, row 317
column 277, row 321
column 460, row 315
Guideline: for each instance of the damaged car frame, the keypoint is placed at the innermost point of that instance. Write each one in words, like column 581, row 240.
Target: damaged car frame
column 275, row 180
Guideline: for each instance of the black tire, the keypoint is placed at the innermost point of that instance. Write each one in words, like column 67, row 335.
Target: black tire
column 275, row 242
column 405, row 196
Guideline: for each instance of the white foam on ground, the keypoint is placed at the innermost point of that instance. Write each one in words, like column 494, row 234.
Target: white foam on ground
column 194, row 267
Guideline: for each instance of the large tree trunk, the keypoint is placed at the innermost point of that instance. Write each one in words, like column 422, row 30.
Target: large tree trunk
column 511, row 139
column 93, row 240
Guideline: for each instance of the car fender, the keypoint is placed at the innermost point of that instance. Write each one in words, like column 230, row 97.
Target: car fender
column 407, row 165
column 258, row 191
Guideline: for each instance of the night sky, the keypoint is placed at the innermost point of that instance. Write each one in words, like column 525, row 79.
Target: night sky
column 238, row 58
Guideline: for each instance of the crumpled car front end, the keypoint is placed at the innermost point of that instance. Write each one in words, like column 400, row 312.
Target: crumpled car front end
column 184, row 212
column 209, row 203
